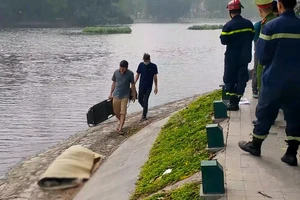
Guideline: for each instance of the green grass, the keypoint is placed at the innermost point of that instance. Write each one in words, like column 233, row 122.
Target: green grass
column 108, row 30
column 186, row 192
column 180, row 146
column 205, row 27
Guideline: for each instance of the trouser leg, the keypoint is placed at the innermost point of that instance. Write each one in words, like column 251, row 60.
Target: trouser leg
column 146, row 102
column 141, row 97
column 291, row 110
column 259, row 74
column 230, row 81
column 254, row 75
column 230, row 78
column 239, row 88
column 242, row 79
column 266, row 112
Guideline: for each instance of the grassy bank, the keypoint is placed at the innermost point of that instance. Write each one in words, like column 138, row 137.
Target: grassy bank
column 205, row 27
column 186, row 192
column 108, row 30
column 180, row 146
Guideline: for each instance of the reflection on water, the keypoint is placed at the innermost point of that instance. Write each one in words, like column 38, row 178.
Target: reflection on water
column 49, row 77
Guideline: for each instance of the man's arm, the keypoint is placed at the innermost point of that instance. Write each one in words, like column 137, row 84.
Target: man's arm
column 113, row 86
column 133, row 89
column 155, row 78
column 225, row 35
column 137, row 76
column 138, row 72
column 112, row 89
column 266, row 46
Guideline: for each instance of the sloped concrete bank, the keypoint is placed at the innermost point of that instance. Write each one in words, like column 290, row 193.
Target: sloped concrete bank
column 20, row 183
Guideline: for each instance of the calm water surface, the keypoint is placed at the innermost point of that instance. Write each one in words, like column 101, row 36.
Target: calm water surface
column 50, row 77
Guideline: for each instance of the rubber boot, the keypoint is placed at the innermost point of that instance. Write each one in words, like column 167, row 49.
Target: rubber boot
column 253, row 147
column 233, row 104
column 290, row 157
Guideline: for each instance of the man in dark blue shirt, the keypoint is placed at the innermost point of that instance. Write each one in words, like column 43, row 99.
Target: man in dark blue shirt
column 148, row 73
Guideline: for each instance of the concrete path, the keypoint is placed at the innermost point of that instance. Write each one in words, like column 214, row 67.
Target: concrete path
column 252, row 178
column 116, row 178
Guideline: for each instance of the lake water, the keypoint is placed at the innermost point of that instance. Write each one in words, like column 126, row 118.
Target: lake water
column 50, row 77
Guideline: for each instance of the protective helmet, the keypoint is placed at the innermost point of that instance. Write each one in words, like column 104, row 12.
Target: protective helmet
column 264, row 3
column 234, row 5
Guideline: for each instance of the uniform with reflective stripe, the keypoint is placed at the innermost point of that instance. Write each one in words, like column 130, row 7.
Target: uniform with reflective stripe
column 237, row 35
column 257, row 27
column 277, row 50
column 260, row 67
column 238, row 31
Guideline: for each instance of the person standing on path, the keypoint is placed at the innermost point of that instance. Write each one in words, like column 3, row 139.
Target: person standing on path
column 237, row 35
column 257, row 26
column 277, row 51
column 268, row 13
column 265, row 8
column 120, row 92
column 147, row 71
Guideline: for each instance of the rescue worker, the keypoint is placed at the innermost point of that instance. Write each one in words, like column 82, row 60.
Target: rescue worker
column 265, row 8
column 277, row 50
column 237, row 35
column 257, row 27
column 267, row 12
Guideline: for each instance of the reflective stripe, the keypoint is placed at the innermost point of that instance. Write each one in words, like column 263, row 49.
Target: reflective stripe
column 233, row 94
column 262, row 137
column 279, row 35
column 238, row 31
column 293, row 138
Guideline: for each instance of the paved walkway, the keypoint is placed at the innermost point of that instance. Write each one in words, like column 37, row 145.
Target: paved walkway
column 115, row 179
column 253, row 178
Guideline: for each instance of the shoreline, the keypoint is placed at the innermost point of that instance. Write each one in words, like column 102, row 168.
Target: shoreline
column 20, row 181
column 135, row 21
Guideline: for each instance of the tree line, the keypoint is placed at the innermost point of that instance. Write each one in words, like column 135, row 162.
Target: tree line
column 71, row 12
column 175, row 9
column 99, row 12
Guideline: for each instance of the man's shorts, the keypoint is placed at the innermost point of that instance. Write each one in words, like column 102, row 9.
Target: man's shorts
column 120, row 105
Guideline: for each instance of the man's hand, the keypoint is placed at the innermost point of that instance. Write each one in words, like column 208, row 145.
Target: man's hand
column 110, row 97
column 155, row 91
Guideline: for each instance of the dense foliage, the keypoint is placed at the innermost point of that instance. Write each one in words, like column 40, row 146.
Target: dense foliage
column 101, row 12
column 174, row 9
column 71, row 12
column 205, row 27
column 108, row 30
column 180, row 146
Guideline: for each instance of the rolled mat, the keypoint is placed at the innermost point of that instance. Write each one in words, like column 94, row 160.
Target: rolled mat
column 74, row 166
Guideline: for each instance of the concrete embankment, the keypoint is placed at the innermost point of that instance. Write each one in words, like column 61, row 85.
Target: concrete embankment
column 21, row 181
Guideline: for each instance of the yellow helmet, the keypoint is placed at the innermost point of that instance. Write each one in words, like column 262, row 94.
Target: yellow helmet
column 263, row 2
